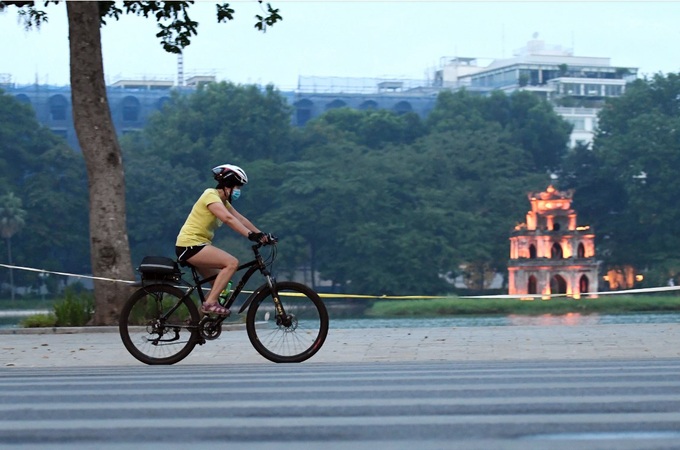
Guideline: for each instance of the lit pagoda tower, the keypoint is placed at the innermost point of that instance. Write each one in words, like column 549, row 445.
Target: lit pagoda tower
column 550, row 254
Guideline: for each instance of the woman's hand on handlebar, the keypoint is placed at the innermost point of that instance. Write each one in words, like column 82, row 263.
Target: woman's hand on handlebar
column 262, row 238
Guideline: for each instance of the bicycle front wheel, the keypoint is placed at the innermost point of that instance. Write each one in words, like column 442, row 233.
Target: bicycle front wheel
column 157, row 326
column 295, row 337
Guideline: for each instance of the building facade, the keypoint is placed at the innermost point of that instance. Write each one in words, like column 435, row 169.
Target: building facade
column 576, row 86
column 550, row 254
column 316, row 95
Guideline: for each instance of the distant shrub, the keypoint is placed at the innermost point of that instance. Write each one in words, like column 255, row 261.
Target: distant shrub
column 75, row 310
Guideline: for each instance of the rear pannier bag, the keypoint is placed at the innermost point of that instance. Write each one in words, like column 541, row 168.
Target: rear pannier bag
column 159, row 268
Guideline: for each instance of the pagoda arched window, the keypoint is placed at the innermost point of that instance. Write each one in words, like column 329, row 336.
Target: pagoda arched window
column 556, row 251
column 583, row 284
column 558, row 285
column 581, row 251
column 531, row 285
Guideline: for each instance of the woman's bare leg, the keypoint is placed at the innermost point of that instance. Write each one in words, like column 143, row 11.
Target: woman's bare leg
column 212, row 260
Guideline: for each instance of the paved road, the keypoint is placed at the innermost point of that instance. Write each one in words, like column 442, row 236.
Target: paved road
column 567, row 404
column 520, row 387
column 102, row 346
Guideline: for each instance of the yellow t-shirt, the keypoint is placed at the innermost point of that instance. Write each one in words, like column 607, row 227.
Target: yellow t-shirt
column 200, row 225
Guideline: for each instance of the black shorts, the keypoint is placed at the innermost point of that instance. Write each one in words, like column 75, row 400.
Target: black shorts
column 184, row 253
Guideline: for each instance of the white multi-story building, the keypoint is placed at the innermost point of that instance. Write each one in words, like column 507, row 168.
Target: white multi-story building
column 576, row 85
column 584, row 121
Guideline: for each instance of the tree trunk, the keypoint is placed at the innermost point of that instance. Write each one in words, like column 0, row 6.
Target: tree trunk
column 109, row 246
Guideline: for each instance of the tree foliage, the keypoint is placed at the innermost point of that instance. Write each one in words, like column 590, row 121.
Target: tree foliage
column 48, row 178
column 221, row 121
column 176, row 28
column 628, row 183
column 530, row 123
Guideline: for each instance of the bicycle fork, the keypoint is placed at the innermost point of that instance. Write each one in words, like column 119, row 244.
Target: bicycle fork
column 282, row 319
column 271, row 282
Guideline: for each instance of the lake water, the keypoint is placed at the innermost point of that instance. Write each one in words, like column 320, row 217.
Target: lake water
column 572, row 319
column 10, row 319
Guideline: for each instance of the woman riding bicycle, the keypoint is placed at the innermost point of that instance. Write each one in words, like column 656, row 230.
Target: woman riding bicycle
column 194, row 242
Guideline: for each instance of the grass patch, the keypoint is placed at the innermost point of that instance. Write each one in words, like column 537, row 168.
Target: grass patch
column 39, row 321
column 454, row 306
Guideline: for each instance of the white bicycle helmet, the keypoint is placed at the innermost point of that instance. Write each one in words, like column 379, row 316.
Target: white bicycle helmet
column 230, row 175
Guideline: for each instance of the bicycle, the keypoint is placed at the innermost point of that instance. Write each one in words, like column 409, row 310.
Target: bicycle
column 160, row 323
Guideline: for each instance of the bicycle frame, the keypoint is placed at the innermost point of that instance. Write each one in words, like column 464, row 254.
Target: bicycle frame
column 253, row 266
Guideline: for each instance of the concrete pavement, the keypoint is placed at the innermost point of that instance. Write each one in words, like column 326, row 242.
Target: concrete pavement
column 102, row 346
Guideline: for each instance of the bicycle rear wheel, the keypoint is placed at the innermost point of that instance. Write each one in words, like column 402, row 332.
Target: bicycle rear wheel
column 294, row 338
column 155, row 333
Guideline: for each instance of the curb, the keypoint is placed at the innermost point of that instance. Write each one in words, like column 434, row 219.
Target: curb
column 84, row 330
column 59, row 330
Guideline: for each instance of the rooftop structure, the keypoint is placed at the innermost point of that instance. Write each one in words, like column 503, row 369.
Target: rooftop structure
column 145, row 85
column 357, row 85
column 550, row 71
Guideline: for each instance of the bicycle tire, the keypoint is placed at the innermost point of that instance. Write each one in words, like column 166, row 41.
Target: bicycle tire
column 302, row 338
column 149, row 338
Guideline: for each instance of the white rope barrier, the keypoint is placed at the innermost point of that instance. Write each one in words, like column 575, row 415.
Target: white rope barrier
column 395, row 297
column 31, row 269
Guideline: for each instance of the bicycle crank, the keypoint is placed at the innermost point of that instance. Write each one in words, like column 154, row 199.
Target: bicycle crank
column 209, row 328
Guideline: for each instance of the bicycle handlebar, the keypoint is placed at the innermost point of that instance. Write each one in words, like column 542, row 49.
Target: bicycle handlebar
column 272, row 240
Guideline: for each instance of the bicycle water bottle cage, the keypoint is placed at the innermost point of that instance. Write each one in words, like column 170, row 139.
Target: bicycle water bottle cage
column 159, row 269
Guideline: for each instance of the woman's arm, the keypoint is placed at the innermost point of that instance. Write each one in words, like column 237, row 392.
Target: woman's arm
column 233, row 219
column 243, row 220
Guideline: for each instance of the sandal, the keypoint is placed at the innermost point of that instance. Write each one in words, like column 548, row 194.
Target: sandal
column 214, row 308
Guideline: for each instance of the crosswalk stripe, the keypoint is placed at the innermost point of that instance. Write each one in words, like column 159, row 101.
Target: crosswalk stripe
column 336, row 421
column 345, row 402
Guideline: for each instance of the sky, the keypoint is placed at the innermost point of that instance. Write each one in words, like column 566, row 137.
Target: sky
column 360, row 38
